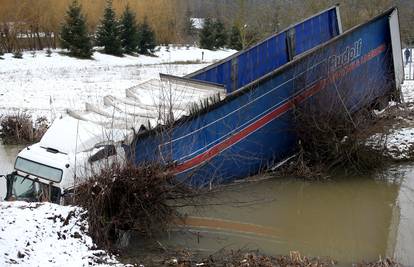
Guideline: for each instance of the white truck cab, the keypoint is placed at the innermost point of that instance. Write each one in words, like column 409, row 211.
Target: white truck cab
column 70, row 150
column 76, row 146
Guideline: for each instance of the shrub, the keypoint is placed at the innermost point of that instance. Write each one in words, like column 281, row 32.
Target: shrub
column 126, row 197
column 18, row 54
column 19, row 128
column 235, row 41
column 332, row 138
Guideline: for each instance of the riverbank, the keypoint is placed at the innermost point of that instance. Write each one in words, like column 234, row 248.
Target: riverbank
column 396, row 127
column 45, row 234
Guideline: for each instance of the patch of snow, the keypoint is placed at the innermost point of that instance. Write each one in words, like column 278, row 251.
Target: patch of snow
column 45, row 234
column 399, row 143
column 161, row 56
column 407, row 90
column 198, row 23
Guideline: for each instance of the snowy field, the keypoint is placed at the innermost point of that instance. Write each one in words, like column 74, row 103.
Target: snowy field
column 42, row 84
column 45, row 234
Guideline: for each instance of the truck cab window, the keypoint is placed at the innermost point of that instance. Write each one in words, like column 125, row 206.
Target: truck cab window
column 38, row 169
column 23, row 188
column 103, row 153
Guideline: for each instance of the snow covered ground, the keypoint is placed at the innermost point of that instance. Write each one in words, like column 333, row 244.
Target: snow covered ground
column 42, row 84
column 399, row 140
column 45, row 234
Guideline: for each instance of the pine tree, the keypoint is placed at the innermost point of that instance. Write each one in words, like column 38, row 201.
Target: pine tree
column 189, row 28
column 108, row 34
column 235, row 41
column 220, row 34
column 207, row 38
column 129, row 31
column 73, row 34
column 147, row 41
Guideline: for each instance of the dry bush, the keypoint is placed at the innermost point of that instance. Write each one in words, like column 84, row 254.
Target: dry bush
column 331, row 138
column 239, row 258
column 337, row 141
column 19, row 128
column 387, row 262
column 254, row 259
column 125, row 197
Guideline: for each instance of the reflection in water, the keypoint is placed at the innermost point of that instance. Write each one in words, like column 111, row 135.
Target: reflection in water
column 7, row 156
column 347, row 218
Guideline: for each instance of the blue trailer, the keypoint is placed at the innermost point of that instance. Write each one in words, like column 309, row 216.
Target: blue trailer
column 248, row 65
column 252, row 128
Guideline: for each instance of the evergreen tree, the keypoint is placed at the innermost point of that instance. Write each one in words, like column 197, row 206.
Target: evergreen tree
column 235, row 41
column 220, row 34
column 73, row 34
column 108, row 34
column 129, row 31
column 213, row 35
column 147, row 41
column 207, row 38
column 189, row 28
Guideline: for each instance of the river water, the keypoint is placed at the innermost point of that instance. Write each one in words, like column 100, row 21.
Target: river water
column 348, row 218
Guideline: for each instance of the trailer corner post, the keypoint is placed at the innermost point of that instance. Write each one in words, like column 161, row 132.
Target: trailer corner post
column 396, row 51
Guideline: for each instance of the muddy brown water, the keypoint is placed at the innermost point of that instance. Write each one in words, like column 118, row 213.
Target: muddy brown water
column 348, row 218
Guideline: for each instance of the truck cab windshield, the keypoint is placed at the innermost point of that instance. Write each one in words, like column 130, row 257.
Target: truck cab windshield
column 37, row 169
column 23, row 188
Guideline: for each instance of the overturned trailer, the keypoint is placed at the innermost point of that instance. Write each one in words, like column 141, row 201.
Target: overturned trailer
column 252, row 128
column 243, row 122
